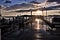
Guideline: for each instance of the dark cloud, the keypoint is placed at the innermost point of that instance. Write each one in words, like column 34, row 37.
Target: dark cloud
column 58, row 1
column 52, row 8
column 7, row 1
column 35, row 2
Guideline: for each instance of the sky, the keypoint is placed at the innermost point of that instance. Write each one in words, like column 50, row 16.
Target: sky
column 58, row 1
column 13, row 2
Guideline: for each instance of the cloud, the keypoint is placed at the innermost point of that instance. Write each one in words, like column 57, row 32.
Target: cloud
column 52, row 4
column 58, row 1
column 54, row 7
column 49, row 3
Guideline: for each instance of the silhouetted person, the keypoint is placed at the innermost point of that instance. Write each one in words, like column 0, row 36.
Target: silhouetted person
column 2, row 21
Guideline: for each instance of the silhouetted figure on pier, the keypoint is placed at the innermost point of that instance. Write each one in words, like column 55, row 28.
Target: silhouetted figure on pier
column 3, row 21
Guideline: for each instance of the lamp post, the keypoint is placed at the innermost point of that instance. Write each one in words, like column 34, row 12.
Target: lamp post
column 31, row 12
column 46, row 12
column 42, row 13
column 46, row 16
column 31, row 17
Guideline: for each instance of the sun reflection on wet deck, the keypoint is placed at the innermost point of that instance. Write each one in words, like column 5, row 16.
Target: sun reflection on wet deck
column 38, row 26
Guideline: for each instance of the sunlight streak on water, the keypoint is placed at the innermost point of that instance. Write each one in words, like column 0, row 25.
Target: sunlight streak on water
column 38, row 27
